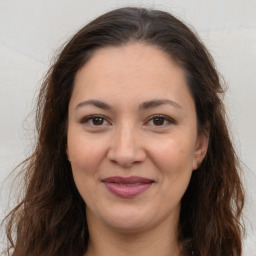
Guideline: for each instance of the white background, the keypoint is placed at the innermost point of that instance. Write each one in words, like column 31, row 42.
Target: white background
column 32, row 31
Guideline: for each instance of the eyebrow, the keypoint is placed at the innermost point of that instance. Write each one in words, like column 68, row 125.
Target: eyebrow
column 158, row 102
column 96, row 103
column 143, row 106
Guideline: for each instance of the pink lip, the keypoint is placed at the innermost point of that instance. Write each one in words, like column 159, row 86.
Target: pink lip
column 127, row 187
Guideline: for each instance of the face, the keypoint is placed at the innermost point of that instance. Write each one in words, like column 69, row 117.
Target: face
column 132, row 137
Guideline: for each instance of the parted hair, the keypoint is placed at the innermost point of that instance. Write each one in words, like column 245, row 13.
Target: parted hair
column 51, row 219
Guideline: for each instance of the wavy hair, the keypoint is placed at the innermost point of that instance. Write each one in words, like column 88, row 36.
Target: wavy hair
column 51, row 218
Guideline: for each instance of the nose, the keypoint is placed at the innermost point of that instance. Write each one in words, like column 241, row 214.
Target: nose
column 126, row 147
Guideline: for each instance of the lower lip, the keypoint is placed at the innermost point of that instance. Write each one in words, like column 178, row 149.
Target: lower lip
column 127, row 191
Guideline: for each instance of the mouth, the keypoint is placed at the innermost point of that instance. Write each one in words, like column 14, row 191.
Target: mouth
column 127, row 187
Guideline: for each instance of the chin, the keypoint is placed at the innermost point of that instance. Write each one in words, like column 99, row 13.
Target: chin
column 128, row 221
column 129, row 227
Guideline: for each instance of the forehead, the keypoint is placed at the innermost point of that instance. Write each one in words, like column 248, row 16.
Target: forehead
column 126, row 72
column 133, row 58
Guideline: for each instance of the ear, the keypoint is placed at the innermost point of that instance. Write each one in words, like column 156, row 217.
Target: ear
column 201, row 147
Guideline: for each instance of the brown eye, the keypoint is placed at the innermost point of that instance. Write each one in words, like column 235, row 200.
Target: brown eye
column 158, row 121
column 94, row 120
column 97, row 120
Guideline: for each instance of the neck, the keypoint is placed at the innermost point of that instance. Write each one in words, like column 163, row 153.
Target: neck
column 105, row 241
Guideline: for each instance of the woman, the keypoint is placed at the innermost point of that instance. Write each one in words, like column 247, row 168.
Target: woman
column 133, row 154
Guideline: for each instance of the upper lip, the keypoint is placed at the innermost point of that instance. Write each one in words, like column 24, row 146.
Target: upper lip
column 127, row 180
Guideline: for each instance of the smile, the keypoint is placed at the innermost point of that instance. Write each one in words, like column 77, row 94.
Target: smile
column 127, row 187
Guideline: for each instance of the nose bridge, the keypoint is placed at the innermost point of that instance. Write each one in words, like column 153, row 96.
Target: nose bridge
column 126, row 137
column 125, row 146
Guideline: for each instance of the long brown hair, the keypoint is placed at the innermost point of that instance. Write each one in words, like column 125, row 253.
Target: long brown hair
column 51, row 218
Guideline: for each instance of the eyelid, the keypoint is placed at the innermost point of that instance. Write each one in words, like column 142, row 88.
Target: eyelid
column 166, row 118
column 91, row 117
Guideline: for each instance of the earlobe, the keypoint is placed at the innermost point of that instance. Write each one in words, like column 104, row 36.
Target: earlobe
column 201, row 148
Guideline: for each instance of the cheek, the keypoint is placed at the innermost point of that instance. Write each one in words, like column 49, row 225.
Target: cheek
column 85, row 154
column 175, row 162
column 173, row 154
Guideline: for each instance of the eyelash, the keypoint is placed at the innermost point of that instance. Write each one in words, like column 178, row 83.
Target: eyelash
column 91, row 117
column 164, row 117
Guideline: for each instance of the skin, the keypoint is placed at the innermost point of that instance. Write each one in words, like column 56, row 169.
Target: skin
column 129, row 141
